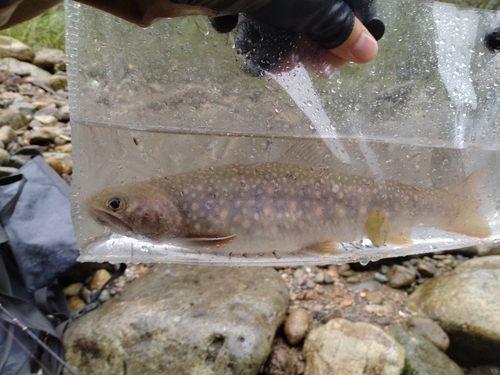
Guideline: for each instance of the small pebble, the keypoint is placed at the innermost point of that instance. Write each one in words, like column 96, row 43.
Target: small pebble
column 310, row 284
column 99, row 279
column 381, row 278
column 104, row 296
column 56, row 165
column 333, row 271
column 75, row 303
column 327, row 279
column 400, row 276
column 320, row 277
column 353, row 279
column 384, row 268
column 311, row 295
column 296, row 326
column 298, row 273
column 73, row 289
column 431, row 330
column 426, row 268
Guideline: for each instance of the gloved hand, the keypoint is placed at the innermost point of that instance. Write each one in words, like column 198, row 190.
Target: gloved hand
column 327, row 22
column 267, row 34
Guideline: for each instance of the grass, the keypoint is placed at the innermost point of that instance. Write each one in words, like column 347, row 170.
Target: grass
column 46, row 30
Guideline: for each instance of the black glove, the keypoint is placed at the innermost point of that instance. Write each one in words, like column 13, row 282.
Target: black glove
column 327, row 22
column 267, row 33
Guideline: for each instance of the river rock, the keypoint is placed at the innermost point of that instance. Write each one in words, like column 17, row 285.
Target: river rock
column 50, row 59
column 23, row 106
column 12, row 118
column 431, row 331
column 466, row 304
column 14, row 65
column 10, row 47
column 400, row 276
column 57, row 82
column 4, row 156
column 352, row 348
column 182, row 320
column 296, row 325
column 7, row 134
column 100, row 278
column 424, row 357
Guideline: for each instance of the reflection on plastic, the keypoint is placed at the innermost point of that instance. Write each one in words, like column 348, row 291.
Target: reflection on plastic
column 392, row 158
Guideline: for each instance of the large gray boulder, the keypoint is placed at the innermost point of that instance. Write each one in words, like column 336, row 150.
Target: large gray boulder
column 466, row 304
column 182, row 320
column 352, row 348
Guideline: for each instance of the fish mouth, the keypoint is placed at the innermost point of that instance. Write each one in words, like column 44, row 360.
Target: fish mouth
column 106, row 219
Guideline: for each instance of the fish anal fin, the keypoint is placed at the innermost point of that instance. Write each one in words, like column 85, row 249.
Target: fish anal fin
column 377, row 227
column 326, row 247
column 215, row 242
column 469, row 220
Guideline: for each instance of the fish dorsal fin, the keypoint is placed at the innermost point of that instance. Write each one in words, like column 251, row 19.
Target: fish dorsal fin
column 311, row 153
column 211, row 241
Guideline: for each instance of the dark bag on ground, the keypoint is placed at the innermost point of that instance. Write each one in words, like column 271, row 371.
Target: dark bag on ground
column 37, row 243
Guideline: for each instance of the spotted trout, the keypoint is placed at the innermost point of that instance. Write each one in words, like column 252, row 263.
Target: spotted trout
column 282, row 208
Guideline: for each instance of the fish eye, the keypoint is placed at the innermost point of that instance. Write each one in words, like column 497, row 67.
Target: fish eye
column 115, row 203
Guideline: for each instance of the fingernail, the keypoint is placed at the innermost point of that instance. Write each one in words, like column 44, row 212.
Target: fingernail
column 365, row 48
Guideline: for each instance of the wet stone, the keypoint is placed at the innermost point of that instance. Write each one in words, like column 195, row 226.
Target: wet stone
column 311, row 295
column 100, row 278
column 327, row 279
column 75, row 303
column 310, row 284
column 23, row 107
column 465, row 303
column 299, row 272
column 46, row 119
column 7, row 171
column 319, row 277
column 150, row 326
column 431, row 331
column 296, row 325
column 426, row 268
column 353, row 279
column 50, row 59
column 425, row 358
column 4, row 156
column 400, row 276
column 12, row 118
column 10, row 47
column 73, row 289
column 381, row 278
column 365, row 349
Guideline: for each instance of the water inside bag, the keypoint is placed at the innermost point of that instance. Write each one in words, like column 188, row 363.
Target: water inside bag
column 396, row 157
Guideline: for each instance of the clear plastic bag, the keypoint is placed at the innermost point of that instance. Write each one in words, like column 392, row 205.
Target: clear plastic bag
column 180, row 156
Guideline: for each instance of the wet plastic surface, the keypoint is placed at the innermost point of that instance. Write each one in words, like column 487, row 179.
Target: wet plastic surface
column 173, row 99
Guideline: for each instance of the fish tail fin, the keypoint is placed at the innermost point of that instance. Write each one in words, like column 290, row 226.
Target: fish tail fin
column 469, row 220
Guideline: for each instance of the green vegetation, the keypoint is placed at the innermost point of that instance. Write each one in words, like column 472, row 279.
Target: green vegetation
column 408, row 369
column 46, row 30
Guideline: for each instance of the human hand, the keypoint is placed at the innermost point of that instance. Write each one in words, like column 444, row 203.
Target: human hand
column 273, row 35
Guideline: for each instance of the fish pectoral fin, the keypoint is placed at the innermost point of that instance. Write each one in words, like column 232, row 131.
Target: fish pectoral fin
column 377, row 227
column 327, row 247
column 400, row 237
column 212, row 241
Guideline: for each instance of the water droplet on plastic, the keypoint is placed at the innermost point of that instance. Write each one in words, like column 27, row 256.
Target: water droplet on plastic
column 145, row 249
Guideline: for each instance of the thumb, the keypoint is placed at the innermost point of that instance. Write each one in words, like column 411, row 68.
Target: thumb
column 361, row 47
